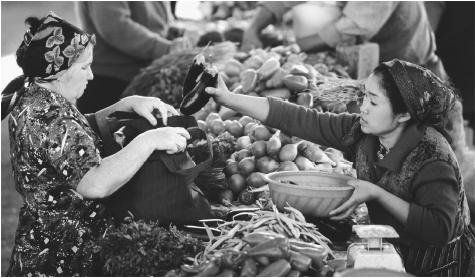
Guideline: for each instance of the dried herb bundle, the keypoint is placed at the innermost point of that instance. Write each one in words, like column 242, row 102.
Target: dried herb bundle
column 139, row 248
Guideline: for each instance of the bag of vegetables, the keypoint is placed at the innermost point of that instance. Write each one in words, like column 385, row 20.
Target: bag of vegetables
column 163, row 189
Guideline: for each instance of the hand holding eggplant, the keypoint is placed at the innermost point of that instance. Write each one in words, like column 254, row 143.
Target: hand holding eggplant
column 200, row 75
column 220, row 93
column 180, row 44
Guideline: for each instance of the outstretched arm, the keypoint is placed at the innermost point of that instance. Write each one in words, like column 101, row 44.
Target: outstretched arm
column 255, row 107
column 327, row 129
column 116, row 170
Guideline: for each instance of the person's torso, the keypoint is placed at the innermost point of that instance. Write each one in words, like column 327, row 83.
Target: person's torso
column 400, row 183
column 56, row 224
column 43, row 187
column 110, row 61
column 406, row 35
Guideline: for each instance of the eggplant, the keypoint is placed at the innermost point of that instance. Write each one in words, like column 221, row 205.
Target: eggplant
column 200, row 75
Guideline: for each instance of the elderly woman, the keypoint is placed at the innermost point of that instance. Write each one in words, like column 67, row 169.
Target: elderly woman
column 407, row 172
column 55, row 154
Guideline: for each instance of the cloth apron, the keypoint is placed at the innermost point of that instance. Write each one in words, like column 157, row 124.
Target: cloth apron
column 442, row 262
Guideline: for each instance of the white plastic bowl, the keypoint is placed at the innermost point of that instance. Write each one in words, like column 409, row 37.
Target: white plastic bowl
column 315, row 193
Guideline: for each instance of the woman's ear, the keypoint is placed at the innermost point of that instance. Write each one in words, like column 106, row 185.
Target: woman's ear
column 403, row 117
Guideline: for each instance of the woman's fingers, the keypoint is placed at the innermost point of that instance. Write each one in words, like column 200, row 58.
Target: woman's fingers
column 180, row 144
column 163, row 109
column 211, row 90
column 147, row 115
column 343, row 207
column 221, row 88
column 179, row 140
column 221, row 83
column 172, row 110
column 173, row 149
column 345, row 214
column 163, row 112
column 183, row 132
column 353, row 182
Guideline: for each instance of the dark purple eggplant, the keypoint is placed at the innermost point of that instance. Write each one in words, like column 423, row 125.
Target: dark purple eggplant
column 195, row 70
column 200, row 76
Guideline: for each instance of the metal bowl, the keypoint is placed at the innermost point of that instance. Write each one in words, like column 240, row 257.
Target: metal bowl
column 314, row 193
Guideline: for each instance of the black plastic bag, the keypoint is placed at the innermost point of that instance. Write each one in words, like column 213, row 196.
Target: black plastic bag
column 163, row 189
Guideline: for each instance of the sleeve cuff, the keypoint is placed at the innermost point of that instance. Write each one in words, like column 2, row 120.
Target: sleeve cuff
column 162, row 47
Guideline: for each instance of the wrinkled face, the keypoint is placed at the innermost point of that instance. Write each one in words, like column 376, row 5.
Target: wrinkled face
column 377, row 116
column 74, row 81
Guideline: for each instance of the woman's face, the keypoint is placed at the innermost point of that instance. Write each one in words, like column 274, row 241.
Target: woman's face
column 377, row 116
column 74, row 81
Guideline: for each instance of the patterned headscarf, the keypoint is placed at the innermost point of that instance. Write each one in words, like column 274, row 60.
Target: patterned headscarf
column 46, row 53
column 54, row 47
column 426, row 96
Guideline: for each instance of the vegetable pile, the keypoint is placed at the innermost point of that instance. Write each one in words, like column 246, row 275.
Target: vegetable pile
column 269, row 244
column 138, row 248
column 261, row 150
column 284, row 72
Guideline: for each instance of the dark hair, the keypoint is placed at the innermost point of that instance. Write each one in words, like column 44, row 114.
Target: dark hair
column 390, row 87
column 33, row 23
column 17, row 84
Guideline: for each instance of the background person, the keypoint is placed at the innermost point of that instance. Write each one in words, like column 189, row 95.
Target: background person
column 130, row 35
column 55, row 152
column 407, row 172
column 401, row 29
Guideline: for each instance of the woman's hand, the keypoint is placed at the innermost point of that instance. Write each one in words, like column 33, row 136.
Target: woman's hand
column 147, row 107
column 220, row 93
column 364, row 191
column 169, row 139
column 180, row 44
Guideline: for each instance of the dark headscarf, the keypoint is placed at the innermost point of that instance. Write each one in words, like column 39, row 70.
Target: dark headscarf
column 49, row 47
column 427, row 97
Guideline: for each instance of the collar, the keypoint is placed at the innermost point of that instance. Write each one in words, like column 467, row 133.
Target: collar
column 37, row 91
column 394, row 159
column 50, row 97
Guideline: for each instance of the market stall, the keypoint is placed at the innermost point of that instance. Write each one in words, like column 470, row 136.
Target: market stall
column 258, row 230
column 234, row 242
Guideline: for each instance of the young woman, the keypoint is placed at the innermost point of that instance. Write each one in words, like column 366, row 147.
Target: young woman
column 407, row 172
column 56, row 162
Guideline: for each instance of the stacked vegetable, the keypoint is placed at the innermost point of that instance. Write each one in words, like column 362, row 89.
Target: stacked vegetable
column 285, row 73
column 261, row 150
column 269, row 244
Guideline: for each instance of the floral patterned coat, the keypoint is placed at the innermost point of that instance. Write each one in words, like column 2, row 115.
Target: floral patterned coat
column 52, row 147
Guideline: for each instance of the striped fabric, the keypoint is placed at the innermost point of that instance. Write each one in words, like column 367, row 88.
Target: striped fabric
column 442, row 261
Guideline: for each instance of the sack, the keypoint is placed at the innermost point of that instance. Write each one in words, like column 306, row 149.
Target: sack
column 163, row 189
